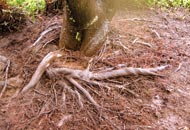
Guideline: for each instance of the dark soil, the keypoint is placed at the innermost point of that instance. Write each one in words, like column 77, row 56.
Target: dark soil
column 152, row 38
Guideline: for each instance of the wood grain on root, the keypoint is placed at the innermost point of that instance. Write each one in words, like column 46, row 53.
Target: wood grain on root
column 8, row 62
column 41, row 69
column 85, row 74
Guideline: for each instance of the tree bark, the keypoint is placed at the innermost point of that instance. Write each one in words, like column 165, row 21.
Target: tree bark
column 67, row 37
column 84, row 27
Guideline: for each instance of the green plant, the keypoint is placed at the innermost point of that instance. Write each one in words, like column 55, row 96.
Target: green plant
column 170, row 3
column 30, row 7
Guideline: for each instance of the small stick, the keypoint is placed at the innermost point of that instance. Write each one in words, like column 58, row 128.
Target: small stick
column 143, row 43
column 3, row 59
column 179, row 67
column 128, row 90
column 136, row 19
column 123, row 46
column 136, row 39
column 157, row 34
column 64, row 119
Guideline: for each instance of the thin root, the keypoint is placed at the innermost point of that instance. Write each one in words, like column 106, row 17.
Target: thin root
column 85, row 92
column 44, row 33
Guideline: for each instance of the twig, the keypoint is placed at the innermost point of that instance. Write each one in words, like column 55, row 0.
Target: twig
column 127, row 90
column 48, row 42
column 157, row 34
column 110, row 122
column 3, row 59
column 135, row 19
column 136, row 39
column 64, row 119
column 179, row 67
column 95, row 60
column 143, row 43
column 44, row 33
column 6, row 78
column 123, row 46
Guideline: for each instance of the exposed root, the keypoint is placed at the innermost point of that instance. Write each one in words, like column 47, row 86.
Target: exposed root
column 71, row 76
column 65, row 86
column 84, row 75
column 179, row 67
column 156, row 33
column 136, row 19
column 118, row 42
column 64, row 119
column 44, row 33
column 127, row 90
column 143, row 43
column 84, row 91
column 79, row 99
column 80, row 74
column 3, row 59
column 41, row 69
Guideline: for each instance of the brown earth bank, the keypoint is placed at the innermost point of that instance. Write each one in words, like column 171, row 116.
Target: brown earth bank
column 144, row 39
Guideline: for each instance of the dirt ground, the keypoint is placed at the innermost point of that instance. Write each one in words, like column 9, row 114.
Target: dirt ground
column 148, row 38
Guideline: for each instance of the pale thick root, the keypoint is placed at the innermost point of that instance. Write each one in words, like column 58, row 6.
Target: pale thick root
column 8, row 62
column 84, row 75
column 128, row 71
column 72, row 75
column 64, row 119
column 87, row 75
column 41, row 69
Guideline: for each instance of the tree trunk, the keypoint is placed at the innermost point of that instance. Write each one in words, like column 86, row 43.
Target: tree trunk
column 85, row 26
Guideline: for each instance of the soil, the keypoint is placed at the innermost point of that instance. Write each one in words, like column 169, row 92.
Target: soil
column 147, row 38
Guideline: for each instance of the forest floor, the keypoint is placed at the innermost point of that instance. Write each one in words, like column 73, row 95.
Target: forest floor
column 143, row 39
